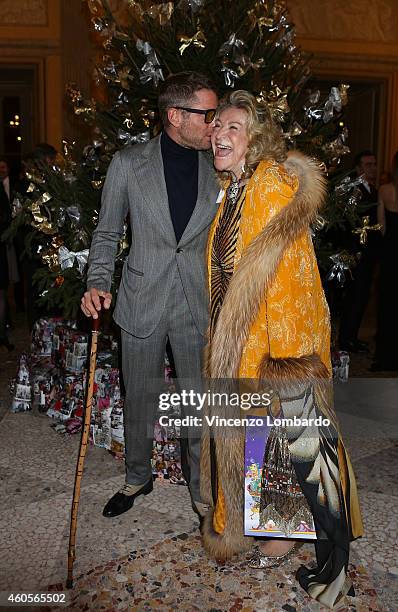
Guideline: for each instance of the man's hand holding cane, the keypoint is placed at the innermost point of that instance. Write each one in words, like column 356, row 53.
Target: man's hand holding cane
column 91, row 303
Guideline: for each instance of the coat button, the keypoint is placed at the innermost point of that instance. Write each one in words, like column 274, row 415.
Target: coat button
column 179, row 250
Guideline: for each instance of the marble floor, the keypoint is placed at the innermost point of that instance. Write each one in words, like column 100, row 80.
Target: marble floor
column 151, row 558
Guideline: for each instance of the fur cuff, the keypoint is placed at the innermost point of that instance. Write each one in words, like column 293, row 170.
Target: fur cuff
column 289, row 374
column 223, row 546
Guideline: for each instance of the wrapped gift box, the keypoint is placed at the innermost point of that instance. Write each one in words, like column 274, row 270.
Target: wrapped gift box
column 107, row 402
column 70, row 349
column 45, row 332
column 22, row 387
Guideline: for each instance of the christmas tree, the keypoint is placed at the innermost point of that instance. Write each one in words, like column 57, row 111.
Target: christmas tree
column 244, row 44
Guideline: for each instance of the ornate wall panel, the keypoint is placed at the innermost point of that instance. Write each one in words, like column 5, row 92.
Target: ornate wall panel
column 32, row 20
column 351, row 20
column 24, row 12
column 355, row 40
column 30, row 35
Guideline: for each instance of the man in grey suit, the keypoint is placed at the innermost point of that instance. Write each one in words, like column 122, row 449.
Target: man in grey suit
column 169, row 189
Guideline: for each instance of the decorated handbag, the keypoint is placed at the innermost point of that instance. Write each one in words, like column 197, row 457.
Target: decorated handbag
column 274, row 503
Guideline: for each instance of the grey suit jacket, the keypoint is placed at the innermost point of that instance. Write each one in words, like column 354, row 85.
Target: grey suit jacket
column 135, row 183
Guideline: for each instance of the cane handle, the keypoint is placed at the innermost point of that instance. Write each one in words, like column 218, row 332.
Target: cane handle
column 96, row 322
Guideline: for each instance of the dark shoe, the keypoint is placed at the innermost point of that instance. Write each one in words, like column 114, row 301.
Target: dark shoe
column 120, row 502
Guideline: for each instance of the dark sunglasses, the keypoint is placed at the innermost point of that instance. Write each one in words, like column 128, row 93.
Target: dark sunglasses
column 209, row 114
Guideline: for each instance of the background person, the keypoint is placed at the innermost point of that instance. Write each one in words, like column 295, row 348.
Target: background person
column 13, row 263
column 386, row 355
column 5, row 220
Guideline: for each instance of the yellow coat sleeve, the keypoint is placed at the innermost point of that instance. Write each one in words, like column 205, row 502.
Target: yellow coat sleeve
column 293, row 320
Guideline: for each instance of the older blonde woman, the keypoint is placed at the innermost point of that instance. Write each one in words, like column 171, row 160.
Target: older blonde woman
column 270, row 320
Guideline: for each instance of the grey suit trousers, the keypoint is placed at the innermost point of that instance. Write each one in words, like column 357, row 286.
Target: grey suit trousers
column 143, row 371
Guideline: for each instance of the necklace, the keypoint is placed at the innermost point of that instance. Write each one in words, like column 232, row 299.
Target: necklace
column 233, row 190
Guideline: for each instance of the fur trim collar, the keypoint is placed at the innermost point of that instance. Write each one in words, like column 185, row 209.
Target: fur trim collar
column 257, row 267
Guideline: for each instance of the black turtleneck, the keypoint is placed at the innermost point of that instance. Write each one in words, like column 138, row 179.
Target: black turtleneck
column 181, row 175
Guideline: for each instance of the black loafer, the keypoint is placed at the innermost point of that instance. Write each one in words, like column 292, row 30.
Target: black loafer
column 120, row 502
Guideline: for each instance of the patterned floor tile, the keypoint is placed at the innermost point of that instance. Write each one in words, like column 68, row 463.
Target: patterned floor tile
column 151, row 558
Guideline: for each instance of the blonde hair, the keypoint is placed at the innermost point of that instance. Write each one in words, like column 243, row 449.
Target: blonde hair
column 265, row 136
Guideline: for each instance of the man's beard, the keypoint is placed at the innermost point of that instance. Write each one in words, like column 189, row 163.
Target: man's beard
column 192, row 141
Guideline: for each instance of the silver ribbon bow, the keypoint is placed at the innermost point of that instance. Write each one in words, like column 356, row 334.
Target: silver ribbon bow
column 337, row 147
column 232, row 45
column 232, row 50
column 128, row 139
column 74, row 214
column 337, row 271
column 195, row 4
column 333, row 103
column 151, row 70
column 67, row 258
column 230, row 76
column 347, row 184
column 313, row 113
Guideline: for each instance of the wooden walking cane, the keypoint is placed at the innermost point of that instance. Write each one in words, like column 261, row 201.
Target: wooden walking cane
column 83, row 447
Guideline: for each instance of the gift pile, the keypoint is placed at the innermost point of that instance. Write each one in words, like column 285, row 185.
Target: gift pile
column 53, row 379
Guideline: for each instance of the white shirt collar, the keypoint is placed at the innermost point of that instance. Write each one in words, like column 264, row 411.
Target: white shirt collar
column 366, row 185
